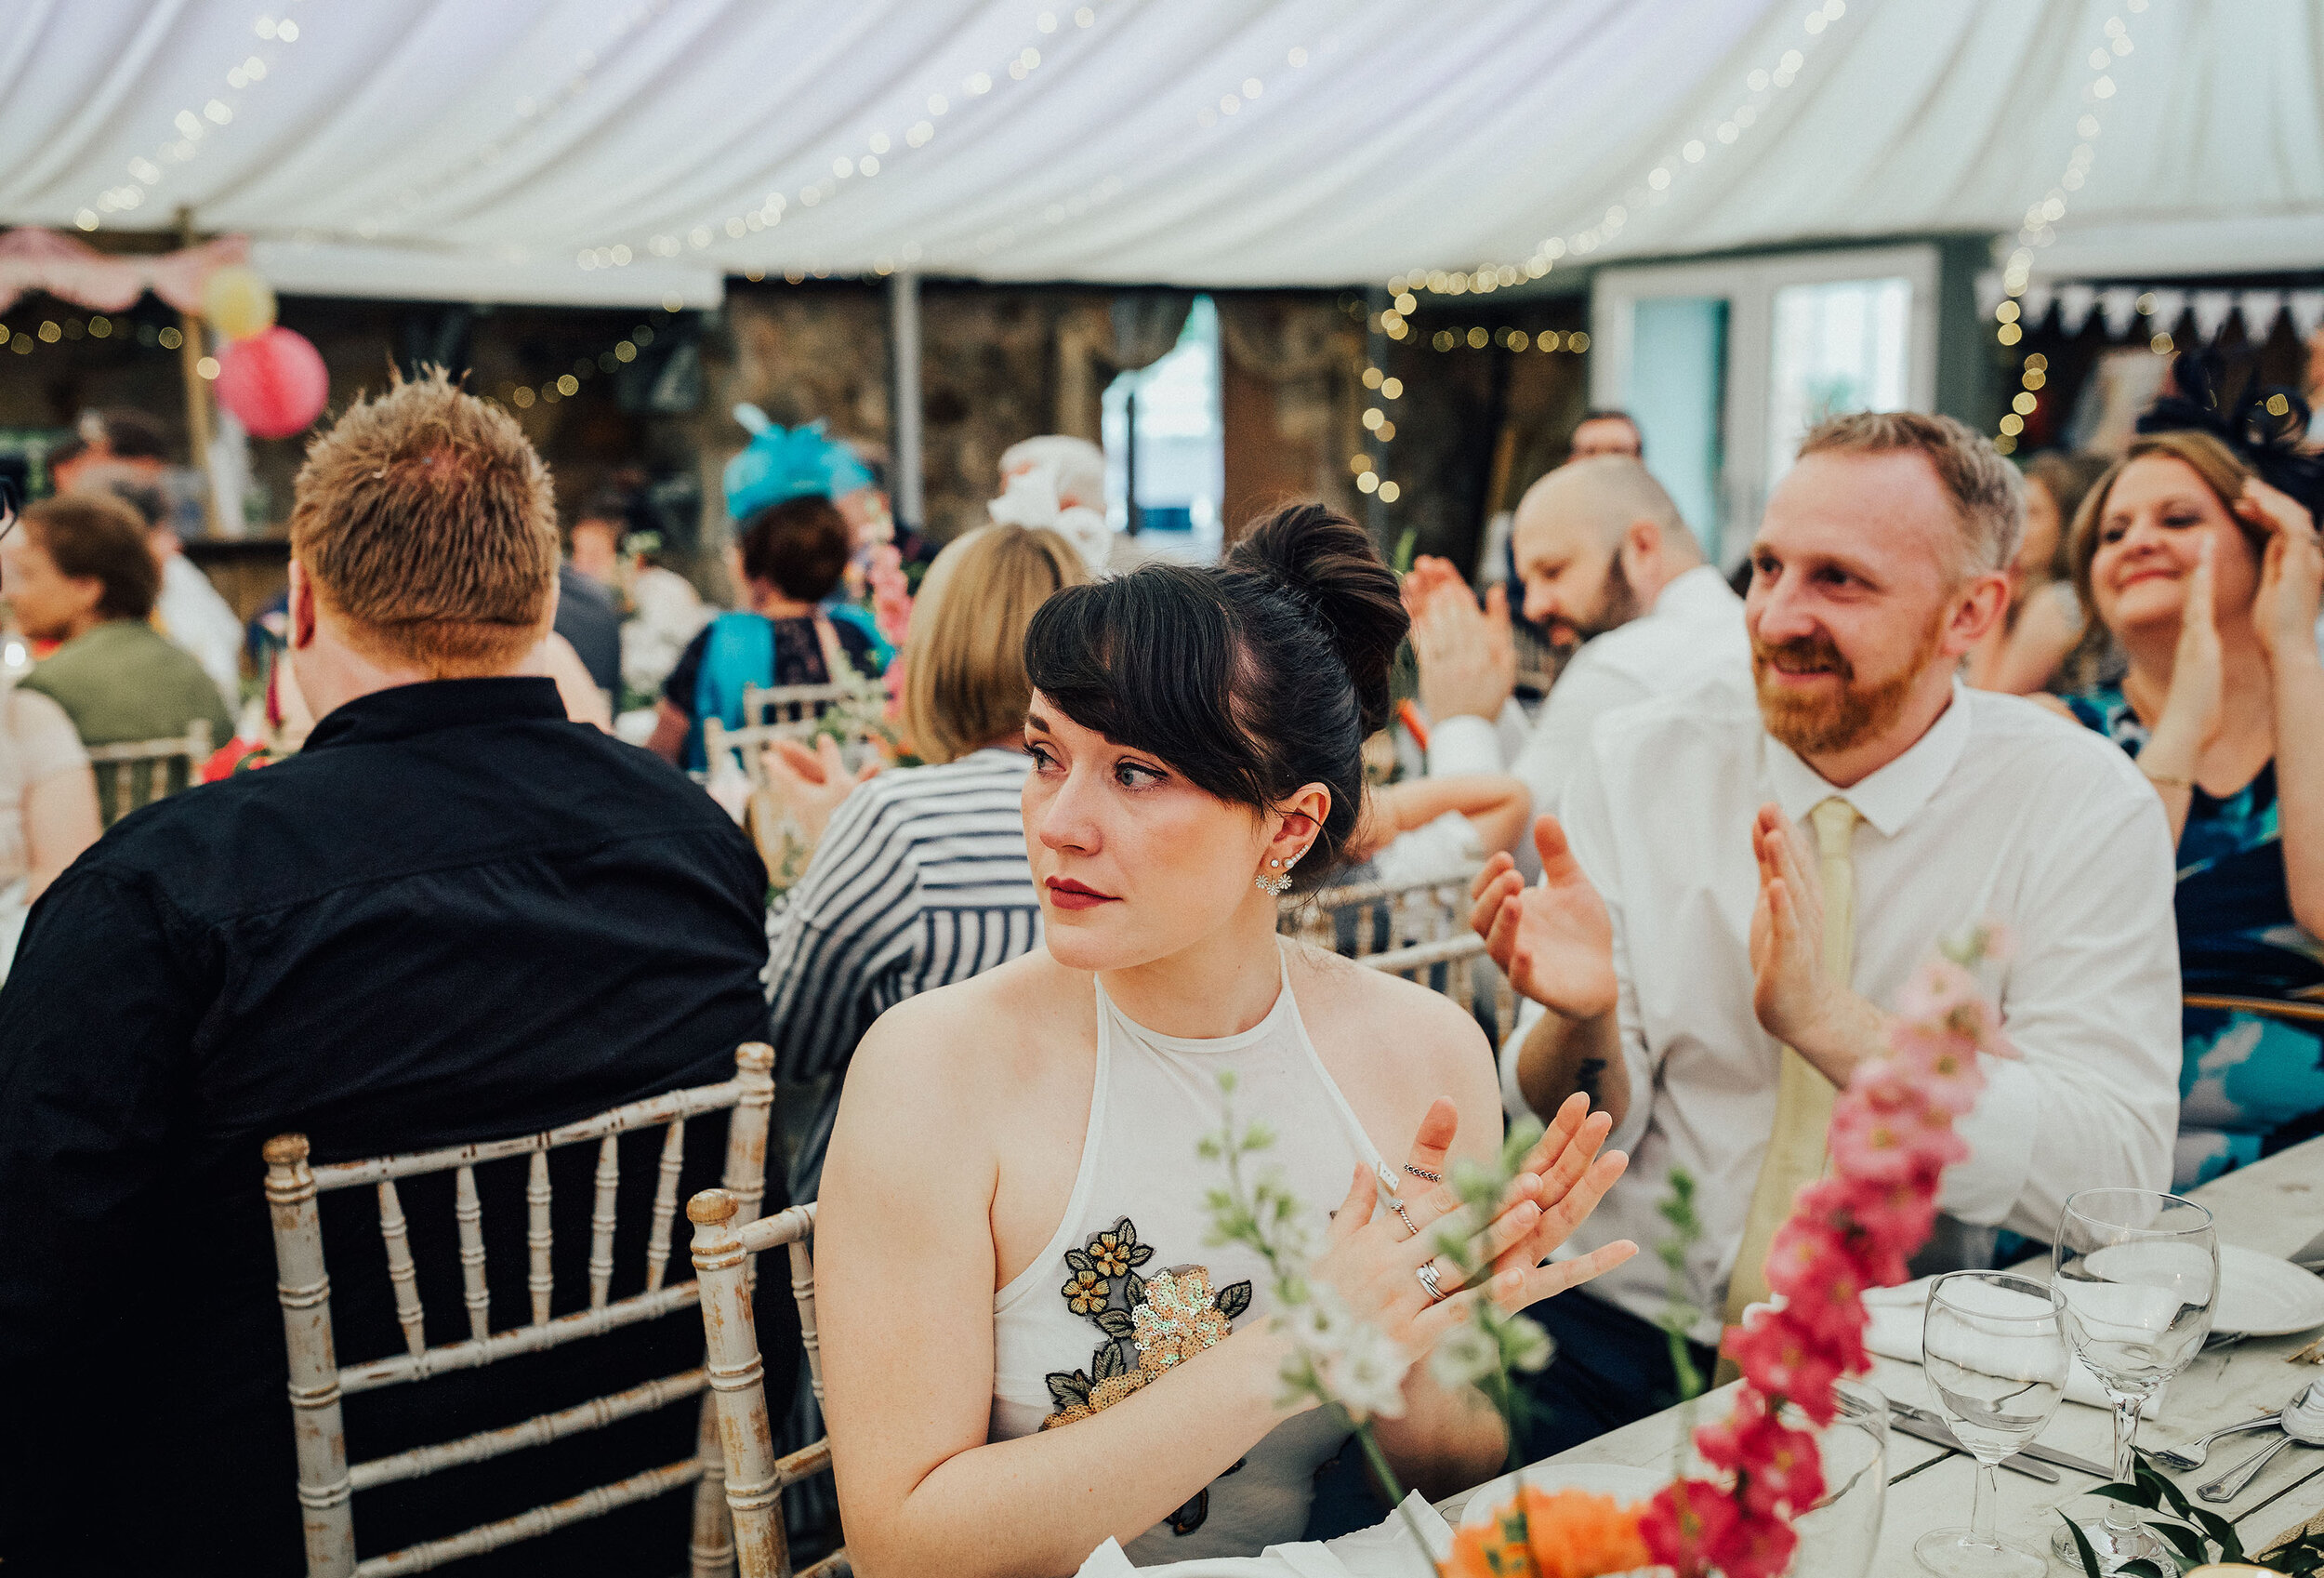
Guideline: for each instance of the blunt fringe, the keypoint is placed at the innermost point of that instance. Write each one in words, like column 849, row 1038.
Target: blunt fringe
column 1251, row 679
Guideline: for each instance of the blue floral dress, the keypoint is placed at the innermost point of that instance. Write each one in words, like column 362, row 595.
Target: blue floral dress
column 2248, row 1086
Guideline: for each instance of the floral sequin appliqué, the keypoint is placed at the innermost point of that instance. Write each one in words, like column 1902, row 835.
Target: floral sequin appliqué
column 1149, row 1325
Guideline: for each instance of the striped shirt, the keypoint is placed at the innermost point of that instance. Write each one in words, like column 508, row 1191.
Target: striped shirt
column 921, row 880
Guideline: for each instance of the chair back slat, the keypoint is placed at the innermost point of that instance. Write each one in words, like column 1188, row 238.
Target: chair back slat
column 535, row 1432
column 665, row 1204
column 402, row 1274
column 134, row 773
column 1363, row 918
column 540, row 1279
column 469, row 1215
column 304, row 1287
column 651, row 1113
column 791, row 704
column 474, row 1354
column 724, row 1245
column 803, row 1294
column 602, row 1223
column 593, row 1502
column 326, row 1481
column 2289, row 1011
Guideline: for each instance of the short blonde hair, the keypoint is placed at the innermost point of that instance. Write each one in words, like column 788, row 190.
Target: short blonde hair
column 964, row 684
column 1988, row 496
column 425, row 520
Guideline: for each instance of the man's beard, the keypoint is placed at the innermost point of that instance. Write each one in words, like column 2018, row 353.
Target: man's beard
column 1618, row 606
column 1818, row 725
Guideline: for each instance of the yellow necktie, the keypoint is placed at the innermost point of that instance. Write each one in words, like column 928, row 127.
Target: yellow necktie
column 1803, row 1097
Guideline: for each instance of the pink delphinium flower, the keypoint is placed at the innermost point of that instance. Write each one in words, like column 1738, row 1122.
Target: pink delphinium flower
column 1867, row 1142
column 1783, row 1358
column 1685, row 1521
column 1942, row 1067
column 1753, row 1547
column 1780, row 1466
column 891, row 593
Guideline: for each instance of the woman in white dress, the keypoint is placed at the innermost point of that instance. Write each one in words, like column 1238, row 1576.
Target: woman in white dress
column 1031, row 1346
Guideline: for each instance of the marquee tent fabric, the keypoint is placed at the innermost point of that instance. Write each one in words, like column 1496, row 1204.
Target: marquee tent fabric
column 625, row 150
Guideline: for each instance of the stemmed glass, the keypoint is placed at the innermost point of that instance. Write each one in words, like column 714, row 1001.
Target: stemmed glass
column 2137, row 1271
column 1996, row 1360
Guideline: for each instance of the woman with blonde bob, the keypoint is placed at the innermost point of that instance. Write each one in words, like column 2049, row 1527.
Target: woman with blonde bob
column 2208, row 579
column 920, row 877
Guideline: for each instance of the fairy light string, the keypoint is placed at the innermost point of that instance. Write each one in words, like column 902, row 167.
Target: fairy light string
column 1683, row 165
column 2038, row 229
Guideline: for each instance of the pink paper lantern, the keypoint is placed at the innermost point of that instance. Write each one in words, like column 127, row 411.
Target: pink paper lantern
column 274, row 382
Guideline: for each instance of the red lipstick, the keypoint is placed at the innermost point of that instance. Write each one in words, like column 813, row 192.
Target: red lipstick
column 1066, row 894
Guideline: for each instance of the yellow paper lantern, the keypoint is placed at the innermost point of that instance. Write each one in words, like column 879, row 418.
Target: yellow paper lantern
column 238, row 302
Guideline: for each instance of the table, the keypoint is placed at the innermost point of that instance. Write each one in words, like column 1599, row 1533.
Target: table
column 2275, row 1206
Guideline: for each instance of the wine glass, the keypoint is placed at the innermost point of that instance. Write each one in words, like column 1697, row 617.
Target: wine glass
column 1996, row 1361
column 2137, row 1271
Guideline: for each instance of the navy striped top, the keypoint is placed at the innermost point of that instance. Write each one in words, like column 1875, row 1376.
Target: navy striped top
column 920, row 881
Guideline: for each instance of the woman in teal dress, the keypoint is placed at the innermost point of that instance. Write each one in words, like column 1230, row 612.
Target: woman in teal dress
column 2208, row 578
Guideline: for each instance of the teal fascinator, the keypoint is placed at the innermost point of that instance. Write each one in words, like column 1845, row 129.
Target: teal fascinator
column 780, row 463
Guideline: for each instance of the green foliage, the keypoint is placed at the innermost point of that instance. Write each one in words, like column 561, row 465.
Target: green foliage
column 2199, row 1536
column 1677, row 1208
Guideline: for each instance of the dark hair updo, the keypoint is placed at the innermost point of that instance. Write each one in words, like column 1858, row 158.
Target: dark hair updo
column 798, row 547
column 1251, row 679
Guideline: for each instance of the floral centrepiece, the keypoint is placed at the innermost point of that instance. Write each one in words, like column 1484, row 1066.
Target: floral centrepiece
column 1891, row 1139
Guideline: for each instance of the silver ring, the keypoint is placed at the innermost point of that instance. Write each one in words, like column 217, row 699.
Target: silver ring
column 1424, row 1173
column 1426, row 1272
column 1397, row 1206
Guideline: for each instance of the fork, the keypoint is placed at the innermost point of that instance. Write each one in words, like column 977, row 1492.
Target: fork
column 2191, row 1455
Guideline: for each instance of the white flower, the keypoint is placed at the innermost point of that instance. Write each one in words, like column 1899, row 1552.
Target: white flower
column 1366, row 1375
column 1465, row 1357
column 1529, row 1346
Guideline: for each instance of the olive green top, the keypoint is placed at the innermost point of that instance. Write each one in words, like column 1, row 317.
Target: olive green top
column 124, row 680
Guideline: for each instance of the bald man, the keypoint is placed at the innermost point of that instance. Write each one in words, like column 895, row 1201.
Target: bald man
column 1605, row 559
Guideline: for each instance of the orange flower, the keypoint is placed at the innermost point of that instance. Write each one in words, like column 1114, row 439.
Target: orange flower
column 1574, row 1535
column 1557, row 1535
column 1489, row 1553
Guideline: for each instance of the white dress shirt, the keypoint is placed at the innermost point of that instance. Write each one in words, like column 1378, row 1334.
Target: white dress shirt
column 2002, row 811
column 1693, row 634
column 197, row 618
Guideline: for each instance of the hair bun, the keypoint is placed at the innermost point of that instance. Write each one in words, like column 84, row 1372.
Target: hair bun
column 1331, row 564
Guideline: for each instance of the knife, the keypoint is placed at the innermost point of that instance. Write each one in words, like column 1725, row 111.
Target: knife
column 1940, row 1436
column 2035, row 1451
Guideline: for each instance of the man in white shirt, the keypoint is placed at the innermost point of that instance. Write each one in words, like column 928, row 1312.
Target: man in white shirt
column 1605, row 557
column 1676, row 944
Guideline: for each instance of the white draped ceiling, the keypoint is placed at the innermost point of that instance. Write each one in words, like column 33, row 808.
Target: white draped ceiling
column 521, row 150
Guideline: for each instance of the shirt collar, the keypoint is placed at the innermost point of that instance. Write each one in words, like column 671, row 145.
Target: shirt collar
column 1694, row 594
column 1889, row 798
column 403, row 712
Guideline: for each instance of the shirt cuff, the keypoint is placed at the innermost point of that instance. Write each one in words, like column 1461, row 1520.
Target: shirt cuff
column 1512, row 1099
column 2003, row 1133
column 1463, row 744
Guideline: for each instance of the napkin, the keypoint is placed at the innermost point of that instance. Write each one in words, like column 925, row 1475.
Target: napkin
column 1382, row 1551
column 1894, row 1332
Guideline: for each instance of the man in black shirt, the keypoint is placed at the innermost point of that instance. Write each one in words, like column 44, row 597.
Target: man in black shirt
column 453, row 916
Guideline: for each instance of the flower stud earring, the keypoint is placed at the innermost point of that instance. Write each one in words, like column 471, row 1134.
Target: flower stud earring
column 1280, row 883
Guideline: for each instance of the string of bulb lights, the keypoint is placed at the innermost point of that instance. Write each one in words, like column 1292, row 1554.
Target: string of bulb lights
column 1684, row 163
column 530, row 113
column 194, row 127
column 2039, row 228
column 96, row 326
column 1240, row 91
column 880, row 152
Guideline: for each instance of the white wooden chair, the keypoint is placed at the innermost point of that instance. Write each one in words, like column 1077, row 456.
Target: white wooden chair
column 134, row 773
column 726, row 1236
column 327, row 1482
column 1458, row 968
column 792, row 704
column 1367, row 918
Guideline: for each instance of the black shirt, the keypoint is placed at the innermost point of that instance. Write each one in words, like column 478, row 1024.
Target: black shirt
column 588, row 616
column 453, row 916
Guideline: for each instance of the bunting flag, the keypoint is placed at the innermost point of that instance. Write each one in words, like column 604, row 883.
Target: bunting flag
column 2074, row 300
column 72, row 270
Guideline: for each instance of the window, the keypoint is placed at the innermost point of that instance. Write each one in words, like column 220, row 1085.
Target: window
column 1165, row 445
